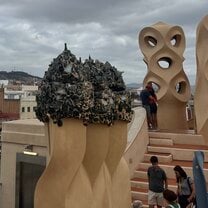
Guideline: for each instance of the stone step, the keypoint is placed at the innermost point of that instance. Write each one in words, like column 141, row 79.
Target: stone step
column 140, row 173
column 162, row 157
column 179, row 151
column 179, row 136
column 171, row 148
column 157, row 149
column 139, row 183
column 144, row 202
column 160, row 141
column 139, row 193
column 143, row 183
column 168, row 168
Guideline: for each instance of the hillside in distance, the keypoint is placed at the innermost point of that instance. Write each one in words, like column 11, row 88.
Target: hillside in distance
column 134, row 85
column 20, row 76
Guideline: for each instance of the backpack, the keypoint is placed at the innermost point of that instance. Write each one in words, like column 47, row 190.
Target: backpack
column 194, row 199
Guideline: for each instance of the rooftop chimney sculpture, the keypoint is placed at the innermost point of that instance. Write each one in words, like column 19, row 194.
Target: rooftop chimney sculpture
column 200, row 97
column 85, row 107
column 163, row 46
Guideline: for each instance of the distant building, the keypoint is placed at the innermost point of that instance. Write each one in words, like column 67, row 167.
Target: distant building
column 17, row 103
column 12, row 94
column 29, row 89
column 27, row 107
column 9, row 107
column 28, row 101
column 4, row 82
column 19, row 170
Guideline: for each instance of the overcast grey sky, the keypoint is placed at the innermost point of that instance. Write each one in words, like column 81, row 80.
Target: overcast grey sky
column 33, row 32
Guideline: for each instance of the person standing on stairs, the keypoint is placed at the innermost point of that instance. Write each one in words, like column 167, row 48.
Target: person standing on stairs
column 153, row 105
column 145, row 97
column 186, row 188
column 157, row 183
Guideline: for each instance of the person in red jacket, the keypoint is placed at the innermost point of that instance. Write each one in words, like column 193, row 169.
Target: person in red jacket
column 145, row 98
column 153, row 105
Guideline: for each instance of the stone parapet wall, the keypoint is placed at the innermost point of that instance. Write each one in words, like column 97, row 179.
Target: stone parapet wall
column 138, row 140
column 16, row 136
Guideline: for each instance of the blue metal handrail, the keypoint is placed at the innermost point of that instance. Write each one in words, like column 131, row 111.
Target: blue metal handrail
column 199, row 180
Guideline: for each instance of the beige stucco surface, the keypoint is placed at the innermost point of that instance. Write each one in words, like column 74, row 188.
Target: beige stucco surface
column 112, row 179
column 96, row 149
column 28, row 104
column 80, row 193
column 15, row 136
column 162, row 46
column 85, row 159
column 117, row 145
column 138, row 140
column 201, row 96
column 69, row 143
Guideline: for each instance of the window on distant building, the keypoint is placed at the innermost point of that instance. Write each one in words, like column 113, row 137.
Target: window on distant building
column 10, row 96
column 28, row 109
column 23, row 109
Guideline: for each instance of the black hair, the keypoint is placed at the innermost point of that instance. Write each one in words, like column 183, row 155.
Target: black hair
column 154, row 160
column 181, row 172
column 169, row 195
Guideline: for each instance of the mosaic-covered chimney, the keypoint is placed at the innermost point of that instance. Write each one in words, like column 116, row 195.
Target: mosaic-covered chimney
column 91, row 91
column 85, row 108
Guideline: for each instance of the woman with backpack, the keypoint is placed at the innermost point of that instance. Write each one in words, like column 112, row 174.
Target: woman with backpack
column 185, row 189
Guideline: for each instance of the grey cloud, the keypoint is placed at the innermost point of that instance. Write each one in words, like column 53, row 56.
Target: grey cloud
column 34, row 32
column 73, row 11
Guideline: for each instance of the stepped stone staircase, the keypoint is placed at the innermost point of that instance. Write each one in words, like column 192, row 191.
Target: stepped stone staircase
column 171, row 148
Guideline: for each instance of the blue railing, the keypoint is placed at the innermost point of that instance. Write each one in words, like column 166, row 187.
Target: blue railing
column 199, row 180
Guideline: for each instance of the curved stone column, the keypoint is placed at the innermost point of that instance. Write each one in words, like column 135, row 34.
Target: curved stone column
column 162, row 46
column 201, row 96
column 117, row 145
column 80, row 171
column 80, row 192
column 121, row 190
column 117, row 166
column 68, row 145
column 94, row 162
